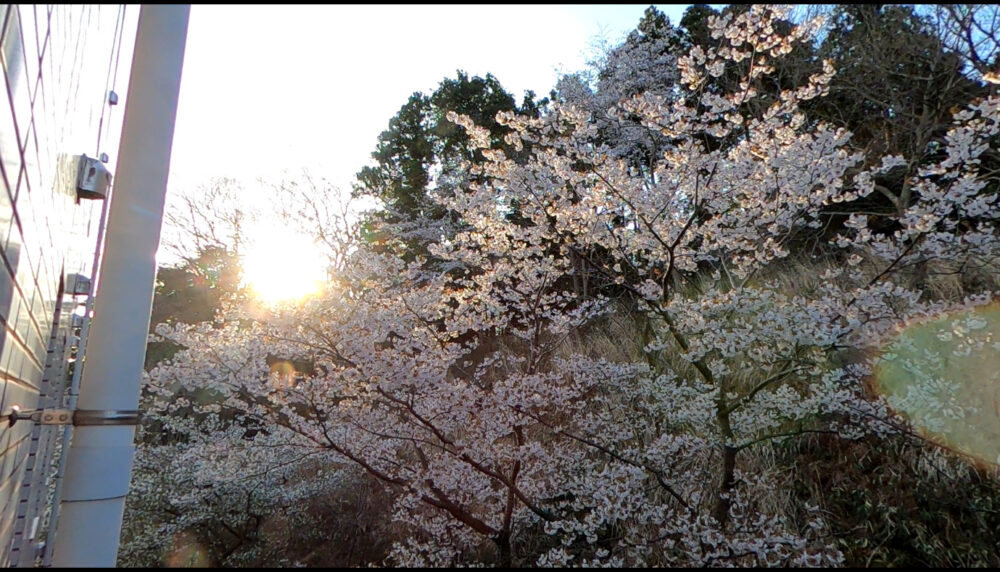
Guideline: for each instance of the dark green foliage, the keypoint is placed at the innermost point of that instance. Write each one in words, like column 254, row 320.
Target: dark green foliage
column 190, row 292
column 403, row 155
column 695, row 23
column 422, row 151
column 479, row 98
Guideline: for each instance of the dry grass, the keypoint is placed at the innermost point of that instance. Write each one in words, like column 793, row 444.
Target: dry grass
column 350, row 527
column 892, row 502
column 894, row 478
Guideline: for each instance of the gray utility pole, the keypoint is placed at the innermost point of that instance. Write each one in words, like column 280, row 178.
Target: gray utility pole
column 99, row 462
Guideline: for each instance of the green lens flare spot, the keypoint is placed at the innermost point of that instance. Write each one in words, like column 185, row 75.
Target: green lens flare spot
column 943, row 375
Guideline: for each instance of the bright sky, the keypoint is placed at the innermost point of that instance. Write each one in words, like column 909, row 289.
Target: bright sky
column 273, row 88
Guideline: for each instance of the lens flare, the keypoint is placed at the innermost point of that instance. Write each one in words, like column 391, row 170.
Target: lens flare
column 943, row 374
column 282, row 265
column 187, row 552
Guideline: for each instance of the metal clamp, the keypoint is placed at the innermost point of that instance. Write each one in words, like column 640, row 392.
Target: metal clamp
column 55, row 416
column 90, row 417
column 106, row 417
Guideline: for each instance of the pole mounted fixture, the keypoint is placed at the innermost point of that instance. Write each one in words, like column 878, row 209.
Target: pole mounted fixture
column 93, row 178
column 99, row 458
column 79, row 417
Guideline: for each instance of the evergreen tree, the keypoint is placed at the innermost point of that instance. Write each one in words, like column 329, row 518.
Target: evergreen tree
column 422, row 152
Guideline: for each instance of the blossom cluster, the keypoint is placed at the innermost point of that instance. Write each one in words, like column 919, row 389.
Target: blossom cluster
column 459, row 387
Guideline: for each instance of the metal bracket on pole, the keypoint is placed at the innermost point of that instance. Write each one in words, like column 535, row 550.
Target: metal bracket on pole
column 55, row 416
column 106, row 417
column 78, row 417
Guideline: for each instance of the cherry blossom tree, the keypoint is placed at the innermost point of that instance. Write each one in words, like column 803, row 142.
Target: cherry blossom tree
column 645, row 63
column 459, row 385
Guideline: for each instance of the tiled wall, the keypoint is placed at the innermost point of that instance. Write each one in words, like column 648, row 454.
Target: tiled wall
column 59, row 63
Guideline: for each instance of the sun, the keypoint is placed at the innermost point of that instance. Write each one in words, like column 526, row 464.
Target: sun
column 282, row 265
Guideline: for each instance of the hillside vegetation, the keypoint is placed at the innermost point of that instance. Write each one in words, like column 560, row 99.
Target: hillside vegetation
column 727, row 298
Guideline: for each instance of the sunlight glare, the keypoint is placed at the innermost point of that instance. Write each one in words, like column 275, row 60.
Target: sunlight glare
column 281, row 265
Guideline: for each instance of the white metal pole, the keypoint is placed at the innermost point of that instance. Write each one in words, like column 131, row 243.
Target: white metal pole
column 74, row 385
column 99, row 461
